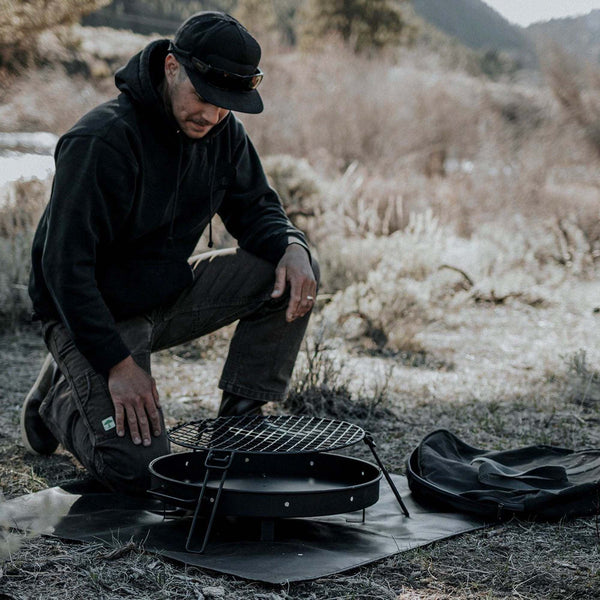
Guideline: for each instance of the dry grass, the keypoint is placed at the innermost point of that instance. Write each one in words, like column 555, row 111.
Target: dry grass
column 520, row 559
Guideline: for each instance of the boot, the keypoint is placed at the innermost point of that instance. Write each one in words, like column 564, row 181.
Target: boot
column 36, row 437
column 233, row 405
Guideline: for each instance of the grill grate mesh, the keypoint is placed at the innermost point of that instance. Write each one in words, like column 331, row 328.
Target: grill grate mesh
column 271, row 434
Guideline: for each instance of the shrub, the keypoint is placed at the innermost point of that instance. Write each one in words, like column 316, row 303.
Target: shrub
column 394, row 302
column 299, row 187
column 20, row 210
column 23, row 21
column 576, row 86
column 319, row 388
column 582, row 383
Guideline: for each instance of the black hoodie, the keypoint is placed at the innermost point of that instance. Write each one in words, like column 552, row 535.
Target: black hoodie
column 131, row 197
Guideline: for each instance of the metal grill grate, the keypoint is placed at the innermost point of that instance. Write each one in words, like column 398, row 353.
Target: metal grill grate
column 272, row 434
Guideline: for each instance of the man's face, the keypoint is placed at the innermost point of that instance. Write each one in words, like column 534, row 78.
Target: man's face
column 193, row 114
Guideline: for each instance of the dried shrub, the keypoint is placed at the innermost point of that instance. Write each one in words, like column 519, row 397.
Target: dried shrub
column 21, row 205
column 319, row 388
column 20, row 210
column 582, row 385
column 22, row 22
column 576, row 86
column 299, row 187
column 394, row 302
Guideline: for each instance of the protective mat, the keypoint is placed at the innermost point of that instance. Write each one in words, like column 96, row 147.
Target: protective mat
column 302, row 549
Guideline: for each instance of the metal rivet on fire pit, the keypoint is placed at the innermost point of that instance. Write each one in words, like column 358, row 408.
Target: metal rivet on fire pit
column 286, row 504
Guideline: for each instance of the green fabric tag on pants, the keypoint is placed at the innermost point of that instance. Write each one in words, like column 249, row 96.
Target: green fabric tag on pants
column 108, row 423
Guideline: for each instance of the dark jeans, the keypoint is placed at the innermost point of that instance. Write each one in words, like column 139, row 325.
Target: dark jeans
column 229, row 285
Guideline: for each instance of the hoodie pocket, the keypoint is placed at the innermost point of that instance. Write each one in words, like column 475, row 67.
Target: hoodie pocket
column 136, row 286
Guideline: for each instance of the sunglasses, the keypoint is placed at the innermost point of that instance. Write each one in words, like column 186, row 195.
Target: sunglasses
column 218, row 77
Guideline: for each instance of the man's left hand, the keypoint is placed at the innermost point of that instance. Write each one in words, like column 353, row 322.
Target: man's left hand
column 294, row 268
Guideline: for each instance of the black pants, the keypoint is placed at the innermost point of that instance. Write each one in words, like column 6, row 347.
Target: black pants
column 229, row 285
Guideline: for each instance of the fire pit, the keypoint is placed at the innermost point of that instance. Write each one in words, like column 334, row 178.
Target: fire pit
column 266, row 467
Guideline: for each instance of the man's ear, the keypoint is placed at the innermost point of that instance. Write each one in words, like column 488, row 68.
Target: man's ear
column 171, row 67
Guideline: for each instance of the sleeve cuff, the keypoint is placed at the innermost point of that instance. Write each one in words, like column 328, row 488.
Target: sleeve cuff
column 295, row 240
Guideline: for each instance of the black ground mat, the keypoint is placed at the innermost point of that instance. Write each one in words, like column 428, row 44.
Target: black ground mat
column 302, row 549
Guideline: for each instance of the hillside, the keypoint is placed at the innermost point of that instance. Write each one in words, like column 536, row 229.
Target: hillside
column 477, row 26
column 580, row 35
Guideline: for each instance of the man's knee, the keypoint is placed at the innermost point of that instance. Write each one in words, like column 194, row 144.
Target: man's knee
column 124, row 468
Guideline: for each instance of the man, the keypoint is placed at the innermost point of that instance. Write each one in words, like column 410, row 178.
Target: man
column 137, row 181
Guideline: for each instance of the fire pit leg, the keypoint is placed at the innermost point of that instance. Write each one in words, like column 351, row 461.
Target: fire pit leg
column 370, row 442
column 362, row 520
column 221, row 463
column 267, row 530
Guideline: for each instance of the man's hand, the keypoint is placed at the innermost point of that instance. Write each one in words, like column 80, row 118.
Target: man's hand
column 294, row 268
column 134, row 396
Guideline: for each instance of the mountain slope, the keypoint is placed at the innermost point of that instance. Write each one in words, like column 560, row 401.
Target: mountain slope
column 578, row 35
column 478, row 26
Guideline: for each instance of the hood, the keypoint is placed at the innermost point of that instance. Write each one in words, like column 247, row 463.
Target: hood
column 140, row 79
column 142, row 75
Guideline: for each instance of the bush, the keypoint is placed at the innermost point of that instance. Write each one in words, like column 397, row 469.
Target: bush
column 582, row 383
column 320, row 389
column 299, row 187
column 23, row 21
column 576, row 86
column 20, row 210
column 394, row 302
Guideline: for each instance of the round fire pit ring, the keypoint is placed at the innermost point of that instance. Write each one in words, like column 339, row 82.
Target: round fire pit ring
column 266, row 467
column 269, row 485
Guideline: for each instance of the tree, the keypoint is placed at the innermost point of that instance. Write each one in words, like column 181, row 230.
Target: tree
column 364, row 24
column 21, row 20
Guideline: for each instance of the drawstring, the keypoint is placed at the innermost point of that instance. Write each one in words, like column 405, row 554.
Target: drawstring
column 173, row 207
column 210, row 197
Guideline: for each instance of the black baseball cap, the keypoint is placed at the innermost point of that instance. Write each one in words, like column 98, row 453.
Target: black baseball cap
column 221, row 59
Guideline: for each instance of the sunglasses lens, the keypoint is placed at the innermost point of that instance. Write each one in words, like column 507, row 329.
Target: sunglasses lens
column 254, row 82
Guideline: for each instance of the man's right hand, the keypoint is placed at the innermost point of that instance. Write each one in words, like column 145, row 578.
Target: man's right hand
column 135, row 397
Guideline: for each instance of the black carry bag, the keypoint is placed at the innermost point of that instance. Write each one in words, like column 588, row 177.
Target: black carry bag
column 542, row 482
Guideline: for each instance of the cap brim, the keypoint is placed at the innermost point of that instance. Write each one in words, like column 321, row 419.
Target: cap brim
column 247, row 102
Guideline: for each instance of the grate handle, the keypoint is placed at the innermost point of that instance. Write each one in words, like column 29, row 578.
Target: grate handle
column 219, row 459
